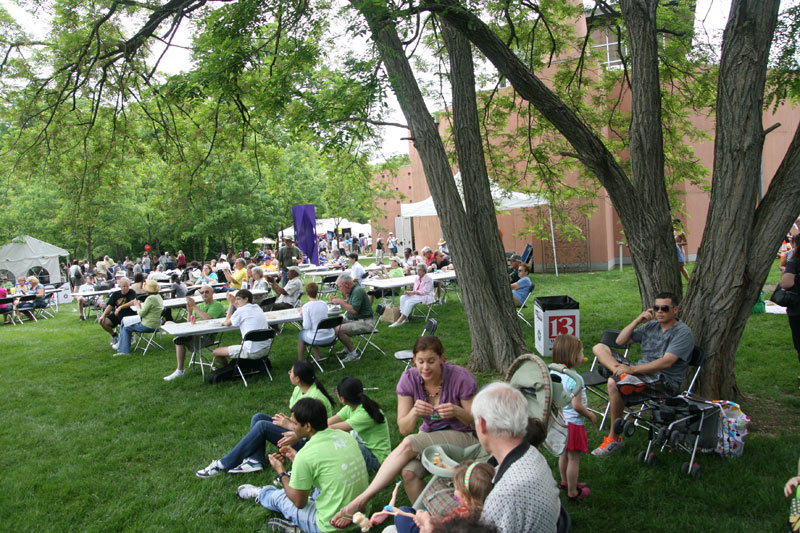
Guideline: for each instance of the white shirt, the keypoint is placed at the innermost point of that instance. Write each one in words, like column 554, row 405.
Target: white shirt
column 410, row 262
column 357, row 271
column 248, row 318
column 294, row 289
column 314, row 312
column 86, row 287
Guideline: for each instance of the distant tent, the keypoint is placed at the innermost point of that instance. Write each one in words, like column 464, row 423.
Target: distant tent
column 325, row 225
column 25, row 256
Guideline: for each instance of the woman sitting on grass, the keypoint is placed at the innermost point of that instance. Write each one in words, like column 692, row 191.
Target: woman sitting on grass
column 439, row 394
column 249, row 453
column 363, row 416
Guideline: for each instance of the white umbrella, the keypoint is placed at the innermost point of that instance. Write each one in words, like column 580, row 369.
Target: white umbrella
column 264, row 240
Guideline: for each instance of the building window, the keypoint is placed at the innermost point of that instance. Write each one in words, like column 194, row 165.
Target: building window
column 607, row 44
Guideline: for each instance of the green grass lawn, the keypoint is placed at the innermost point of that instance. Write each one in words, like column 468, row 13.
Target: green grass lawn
column 96, row 443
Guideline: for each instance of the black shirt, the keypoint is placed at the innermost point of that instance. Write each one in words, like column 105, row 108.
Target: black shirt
column 117, row 298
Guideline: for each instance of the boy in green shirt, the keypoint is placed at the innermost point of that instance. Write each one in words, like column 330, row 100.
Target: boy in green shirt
column 331, row 462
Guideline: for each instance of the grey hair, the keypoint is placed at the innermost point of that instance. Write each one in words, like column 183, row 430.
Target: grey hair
column 503, row 408
column 344, row 278
column 125, row 280
column 240, row 261
column 426, row 249
column 259, row 271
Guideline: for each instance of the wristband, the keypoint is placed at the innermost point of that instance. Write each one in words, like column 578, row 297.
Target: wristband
column 282, row 474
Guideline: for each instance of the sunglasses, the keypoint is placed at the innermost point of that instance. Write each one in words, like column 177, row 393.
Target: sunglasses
column 662, row 308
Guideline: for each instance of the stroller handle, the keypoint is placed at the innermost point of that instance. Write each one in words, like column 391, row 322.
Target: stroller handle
column 556, row 367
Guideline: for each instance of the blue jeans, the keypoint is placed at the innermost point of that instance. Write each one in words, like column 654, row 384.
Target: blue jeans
column 369, row 458
column 405, row 524
column 284, row 277
column 275, row 499
column 125, row 336
column 254, row 444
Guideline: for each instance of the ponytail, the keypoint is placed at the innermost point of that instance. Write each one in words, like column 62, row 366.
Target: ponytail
column 304, row 371
column 352, row 391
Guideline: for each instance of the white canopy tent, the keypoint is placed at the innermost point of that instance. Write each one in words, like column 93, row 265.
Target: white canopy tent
column 325, row 225
column 25, row 253
column 504, row 201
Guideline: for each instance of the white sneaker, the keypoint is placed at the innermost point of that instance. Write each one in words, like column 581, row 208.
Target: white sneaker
column 176, row 374
column 248, row 492
column 115, row 346
column 211, row 470
column 248, row 466
column 352, row 356
column 114, row 340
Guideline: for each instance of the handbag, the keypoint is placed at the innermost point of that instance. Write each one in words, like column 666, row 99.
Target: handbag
column 785, row 298
column 391, row 314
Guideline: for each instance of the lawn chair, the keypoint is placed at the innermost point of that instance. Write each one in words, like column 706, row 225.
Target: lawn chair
column 406, row 356
column 521, row 308
column 366, row 338
column 252, row 367
column 427, row 314
column 328, row 323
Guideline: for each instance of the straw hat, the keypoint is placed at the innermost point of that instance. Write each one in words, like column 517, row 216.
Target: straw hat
column 442, row 242
column 151, row 286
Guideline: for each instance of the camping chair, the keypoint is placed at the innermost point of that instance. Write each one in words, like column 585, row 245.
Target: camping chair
column 366, row 338
column 328, row 323
column 256, row 335
column 405, row 356
column 521, row 308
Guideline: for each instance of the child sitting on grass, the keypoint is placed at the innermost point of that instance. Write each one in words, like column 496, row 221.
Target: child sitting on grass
column 568, row 351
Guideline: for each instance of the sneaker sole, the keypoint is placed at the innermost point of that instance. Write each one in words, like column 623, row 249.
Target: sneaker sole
column 630, row 389
column 235, row 471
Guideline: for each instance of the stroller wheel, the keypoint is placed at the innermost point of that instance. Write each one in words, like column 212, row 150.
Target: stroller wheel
column 696, row 471
column 685, row 468
column 652, row 459
column 641, row 457
column 619, row 425
column 629, row 428
column 674, row 439
column 663, row 434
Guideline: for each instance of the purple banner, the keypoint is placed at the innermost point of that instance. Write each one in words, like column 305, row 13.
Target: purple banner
column 305, row 231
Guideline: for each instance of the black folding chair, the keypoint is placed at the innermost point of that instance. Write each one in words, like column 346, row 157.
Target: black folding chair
column 257, row 335
column 328, row 323
column 405, row 356
column 365, row 339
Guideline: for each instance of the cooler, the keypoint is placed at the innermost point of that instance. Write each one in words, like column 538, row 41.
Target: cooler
column 554, row 316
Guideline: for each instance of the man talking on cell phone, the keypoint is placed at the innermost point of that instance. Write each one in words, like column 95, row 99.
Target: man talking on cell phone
column 667, row 346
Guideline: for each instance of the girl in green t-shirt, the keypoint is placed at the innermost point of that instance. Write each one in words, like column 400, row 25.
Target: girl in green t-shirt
column 362, row 415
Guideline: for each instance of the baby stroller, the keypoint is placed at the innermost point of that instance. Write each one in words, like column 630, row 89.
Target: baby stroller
column 684, row 423
column 545, row 395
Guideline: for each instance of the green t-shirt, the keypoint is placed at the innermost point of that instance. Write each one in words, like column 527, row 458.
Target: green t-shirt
column 375, row 436
column 330, row 461
column 215, row 309
column 396, row 273
column 285, row 255
column 150, row 313
column 360, row 301
column 312, row 392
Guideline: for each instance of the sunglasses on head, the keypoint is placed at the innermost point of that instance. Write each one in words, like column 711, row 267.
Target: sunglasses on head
column 662, row 308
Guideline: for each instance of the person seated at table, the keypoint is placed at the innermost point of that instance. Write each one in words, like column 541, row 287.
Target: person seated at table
column 289, row 295
column 206, row 275
column 118, row 305
column 440, row 262
column 247, row 316
column 524, row 285
column 427, row 256
column 206, row 309
column 409, row 261
column 238, row 275
column 86, row 287
column 421, row 293
column 313, row 312
column 249, row 455
column 5, row 283
column 11, row 307
column 396, row 271
column 22, row 285
column 336, row 260
column 138, row 283
column 149, row 318
column 357, row 271
column 358, row 314
column 38, row 303
column 257, row 280
column 440, row 395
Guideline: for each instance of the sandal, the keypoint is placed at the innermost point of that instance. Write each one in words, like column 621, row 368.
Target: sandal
column 583, row 493
column 563, row 486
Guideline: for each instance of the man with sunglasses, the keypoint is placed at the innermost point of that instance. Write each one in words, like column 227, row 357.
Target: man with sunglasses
column 667, row 346
column 207, row 309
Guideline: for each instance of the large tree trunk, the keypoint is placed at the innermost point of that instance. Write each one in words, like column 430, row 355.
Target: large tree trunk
column 475, row 242
column 739, row 241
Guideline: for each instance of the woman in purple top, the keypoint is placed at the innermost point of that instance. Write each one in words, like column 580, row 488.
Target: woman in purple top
column 438, row 393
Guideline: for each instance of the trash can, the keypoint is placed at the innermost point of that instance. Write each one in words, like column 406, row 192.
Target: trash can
column 554, row 316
